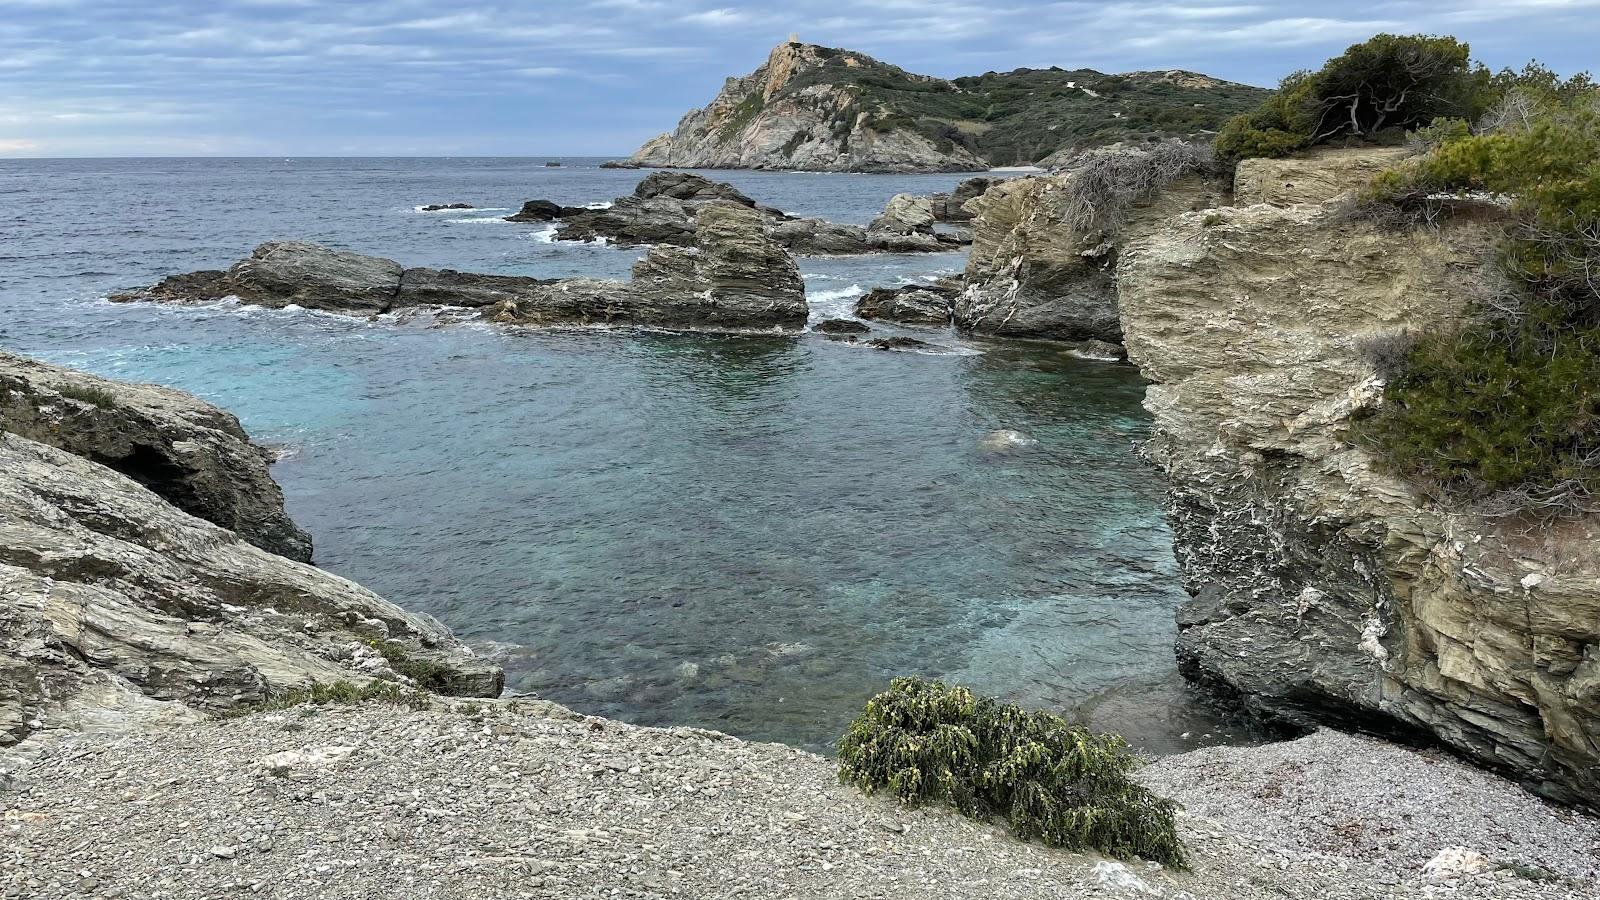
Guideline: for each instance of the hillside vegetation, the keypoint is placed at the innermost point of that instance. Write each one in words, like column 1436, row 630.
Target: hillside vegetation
column 1021, row 116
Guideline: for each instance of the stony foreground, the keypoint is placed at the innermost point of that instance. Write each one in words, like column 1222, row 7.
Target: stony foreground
column 526, row 799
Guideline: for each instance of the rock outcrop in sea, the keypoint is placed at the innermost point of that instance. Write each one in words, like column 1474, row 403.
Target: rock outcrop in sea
column 662, row 208
column 734, row 276
column 1323, row 589
column 119, row 608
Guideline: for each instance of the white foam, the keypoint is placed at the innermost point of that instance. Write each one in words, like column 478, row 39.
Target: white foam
column 476, row 220
column 548, row 236
column 421, row 209
column 599, row 204
column 848, row 293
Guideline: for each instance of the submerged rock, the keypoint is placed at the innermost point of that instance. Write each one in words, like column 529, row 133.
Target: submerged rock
column 842, row 326
column 195, row 456
column 1005, row 440
column 914, row 304
column 1100, row 351
column 899, row 342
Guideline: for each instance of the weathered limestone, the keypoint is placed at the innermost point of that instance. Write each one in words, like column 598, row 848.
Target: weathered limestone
column 1313, row 177
column 1322, row 589
column 914, row 304
column 194, row 455
column 1032, row 274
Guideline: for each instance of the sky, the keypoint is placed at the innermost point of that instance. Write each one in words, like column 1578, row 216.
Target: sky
column 598, row 77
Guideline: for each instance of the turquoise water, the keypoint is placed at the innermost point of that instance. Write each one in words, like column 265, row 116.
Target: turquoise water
column 749, row 534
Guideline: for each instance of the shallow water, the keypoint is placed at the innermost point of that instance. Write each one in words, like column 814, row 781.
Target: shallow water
column 750, row 534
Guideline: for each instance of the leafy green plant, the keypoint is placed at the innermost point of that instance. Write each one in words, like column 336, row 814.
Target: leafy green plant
column 924, row 742
column 1388, row 83
column 1508, row 407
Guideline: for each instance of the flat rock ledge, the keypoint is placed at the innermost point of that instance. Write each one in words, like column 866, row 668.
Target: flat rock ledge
column 735, row 277
column 196, row 456
column 527, row 799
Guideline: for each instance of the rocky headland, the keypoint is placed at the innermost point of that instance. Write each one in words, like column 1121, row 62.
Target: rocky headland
column 734, row 277
column 812, row 108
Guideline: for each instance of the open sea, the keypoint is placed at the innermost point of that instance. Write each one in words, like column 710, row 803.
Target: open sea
column 751, row 534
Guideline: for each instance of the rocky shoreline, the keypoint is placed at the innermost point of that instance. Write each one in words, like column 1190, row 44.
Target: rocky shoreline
column 528, row 799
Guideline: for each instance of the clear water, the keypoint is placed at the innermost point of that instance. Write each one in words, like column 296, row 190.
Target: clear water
column 749, row 534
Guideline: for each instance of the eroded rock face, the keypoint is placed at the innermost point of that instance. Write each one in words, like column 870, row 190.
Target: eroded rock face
column 1313, row 177
column 772, row 119
column 1032, row 274
column 118, row 608
column 1322, row 589
column 194, row 455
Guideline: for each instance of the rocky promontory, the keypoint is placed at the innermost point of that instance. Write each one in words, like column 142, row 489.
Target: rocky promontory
column 195, row 456
column 735, row 276
column 1325, row 590
column 118, row 608
column 823, row 109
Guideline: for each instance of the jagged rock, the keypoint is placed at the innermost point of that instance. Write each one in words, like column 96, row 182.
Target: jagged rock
column 631, row 221
column 542, row 211
column 1314, row 177
column 194, row 455
column 1324, row 590
column 689, row 187
column 842, row 326
column 816, row 237
column 1032, row 274
column 114, row 605
column 779, row 118
column 735, row 277
column 952, row 207
column 913, row 304
column 438, row 207
column 620, row 164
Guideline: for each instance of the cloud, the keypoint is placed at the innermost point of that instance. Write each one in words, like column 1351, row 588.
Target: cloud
column 597, row 76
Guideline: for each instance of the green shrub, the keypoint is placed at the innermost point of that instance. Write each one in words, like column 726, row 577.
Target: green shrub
column 337, row 693
column 924, row 742
column 1388, row 83
column 428, row 675
column 87, row 394
column 1508, row 407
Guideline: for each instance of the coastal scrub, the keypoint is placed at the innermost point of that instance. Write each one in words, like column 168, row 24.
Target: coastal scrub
column 1056, row 782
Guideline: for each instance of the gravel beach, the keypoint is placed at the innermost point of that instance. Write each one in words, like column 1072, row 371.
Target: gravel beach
column 528, row 799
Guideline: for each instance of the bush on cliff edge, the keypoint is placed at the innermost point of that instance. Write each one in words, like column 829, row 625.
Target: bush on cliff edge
column 1053, row 781
column 1508, row 407
column 1384, row 85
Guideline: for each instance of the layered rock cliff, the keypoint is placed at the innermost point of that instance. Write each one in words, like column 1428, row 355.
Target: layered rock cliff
column 1035, row 272
column 117, row 607
column 816, row 108
column 1324, row 590
column 195, row 456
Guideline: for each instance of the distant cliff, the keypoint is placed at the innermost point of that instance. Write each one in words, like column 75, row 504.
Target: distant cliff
column 813, row 108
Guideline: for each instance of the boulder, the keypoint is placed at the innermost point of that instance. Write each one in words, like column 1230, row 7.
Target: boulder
column 688, row 186
column 818, row 238
column 542, row 211
column 905, row 214
column 1100, row 351
column 117, row 608
column 620, row 164
column 913, row 304
column 195, row 456
column 1323, row 589
column 285, row 273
